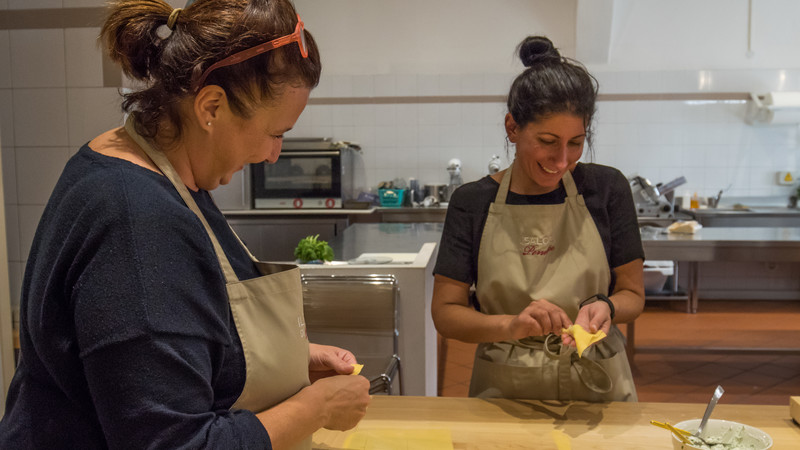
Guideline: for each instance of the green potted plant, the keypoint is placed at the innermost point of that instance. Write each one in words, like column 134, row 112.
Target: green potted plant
column 312, row 250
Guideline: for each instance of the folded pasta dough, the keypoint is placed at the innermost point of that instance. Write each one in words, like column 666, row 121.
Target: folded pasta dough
column 583, row 339
column 357, row 368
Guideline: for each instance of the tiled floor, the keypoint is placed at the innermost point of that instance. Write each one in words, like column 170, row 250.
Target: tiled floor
column 687, row 376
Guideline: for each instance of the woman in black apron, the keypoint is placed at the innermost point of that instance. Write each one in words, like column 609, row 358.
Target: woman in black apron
column 547, row 243
column 145, row 322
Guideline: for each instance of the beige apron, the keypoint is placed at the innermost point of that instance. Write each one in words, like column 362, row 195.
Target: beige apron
column 551, row 252
column 267, row 310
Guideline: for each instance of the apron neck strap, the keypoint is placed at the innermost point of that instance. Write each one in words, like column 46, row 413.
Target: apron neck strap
column 569, row 184
column 505, row 185
column 163, row 164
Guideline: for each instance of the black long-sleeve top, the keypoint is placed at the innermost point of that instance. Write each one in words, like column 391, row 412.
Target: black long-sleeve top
column 127, row 340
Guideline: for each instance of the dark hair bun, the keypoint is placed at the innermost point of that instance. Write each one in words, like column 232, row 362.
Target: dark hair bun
column 537, row 50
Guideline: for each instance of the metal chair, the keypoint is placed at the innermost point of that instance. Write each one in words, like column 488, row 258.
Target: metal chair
column 358, row 313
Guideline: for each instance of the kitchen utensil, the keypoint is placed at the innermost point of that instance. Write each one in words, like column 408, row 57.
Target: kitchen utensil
column 666, row 188
column 651, row 192
column 667, row 426
column 682, row 434
column 414, row 192
column 435, row 191
column 729, row 434
column 711, row 404
column 370, row 260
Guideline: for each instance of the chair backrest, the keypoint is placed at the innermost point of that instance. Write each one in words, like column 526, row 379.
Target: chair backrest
column 342, row 310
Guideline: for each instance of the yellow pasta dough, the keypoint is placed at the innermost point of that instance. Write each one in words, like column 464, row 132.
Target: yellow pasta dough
column 583, row 339
column 357, row 368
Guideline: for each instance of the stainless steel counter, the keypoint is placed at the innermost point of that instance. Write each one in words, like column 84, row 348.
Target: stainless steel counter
column 417, row 334
column 721, row 244
column 717, row 244
column 724, row 244
column 753, row 216
column 384, row 238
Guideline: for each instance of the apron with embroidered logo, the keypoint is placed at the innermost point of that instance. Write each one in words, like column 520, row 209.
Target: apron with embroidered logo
column 551, row 252
column 267, row 311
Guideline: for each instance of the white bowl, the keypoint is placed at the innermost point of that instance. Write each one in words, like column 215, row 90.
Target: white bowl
column 728, row 432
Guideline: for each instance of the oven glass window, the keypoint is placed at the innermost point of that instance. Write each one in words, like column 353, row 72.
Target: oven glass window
column 299, row 174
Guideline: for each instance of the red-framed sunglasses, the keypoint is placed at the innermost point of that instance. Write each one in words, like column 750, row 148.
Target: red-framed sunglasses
column 297, row 36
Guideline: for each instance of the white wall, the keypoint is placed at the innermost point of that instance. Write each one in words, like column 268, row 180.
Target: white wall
column 431, row 37
column 703, row 34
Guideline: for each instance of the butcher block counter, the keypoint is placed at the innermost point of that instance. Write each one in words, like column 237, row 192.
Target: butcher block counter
column 471, row 423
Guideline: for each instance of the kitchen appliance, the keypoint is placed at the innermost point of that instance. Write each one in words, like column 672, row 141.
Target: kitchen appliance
column 436, row 191
column 310, row 173
column 654, row 201
column 494, row 165
column 454, row 169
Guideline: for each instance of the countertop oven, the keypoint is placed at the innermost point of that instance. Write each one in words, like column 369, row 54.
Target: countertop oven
column 310, row 173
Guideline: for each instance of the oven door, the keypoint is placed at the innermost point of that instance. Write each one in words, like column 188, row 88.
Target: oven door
column 299, row 179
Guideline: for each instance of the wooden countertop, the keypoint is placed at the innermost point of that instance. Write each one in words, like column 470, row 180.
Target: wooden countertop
column 514, row 424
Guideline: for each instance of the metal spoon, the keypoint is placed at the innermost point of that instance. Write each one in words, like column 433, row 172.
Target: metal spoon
column 711, row 404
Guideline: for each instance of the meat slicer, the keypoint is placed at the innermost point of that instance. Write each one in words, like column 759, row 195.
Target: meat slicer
column 654, row 201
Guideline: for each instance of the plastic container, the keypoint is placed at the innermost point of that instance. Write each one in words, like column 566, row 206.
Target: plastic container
column 656, row 274
column 391, row 198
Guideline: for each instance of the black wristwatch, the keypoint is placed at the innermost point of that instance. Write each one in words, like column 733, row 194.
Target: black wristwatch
column 602, row 298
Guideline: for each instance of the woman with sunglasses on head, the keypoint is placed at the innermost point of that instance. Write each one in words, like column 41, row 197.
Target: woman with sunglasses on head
column 145, row 323
column 547, row 243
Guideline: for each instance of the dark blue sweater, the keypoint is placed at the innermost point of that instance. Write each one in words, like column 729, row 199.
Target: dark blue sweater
column 127, row 340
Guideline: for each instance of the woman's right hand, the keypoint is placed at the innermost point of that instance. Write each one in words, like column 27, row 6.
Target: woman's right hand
column 539, row 318
column 346, row 400
column 337, row 402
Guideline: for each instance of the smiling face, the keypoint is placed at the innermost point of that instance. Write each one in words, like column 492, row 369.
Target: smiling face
column 546, row 149
column 238, row 141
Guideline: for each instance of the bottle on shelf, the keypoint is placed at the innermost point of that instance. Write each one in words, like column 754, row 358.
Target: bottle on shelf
column 695, row 202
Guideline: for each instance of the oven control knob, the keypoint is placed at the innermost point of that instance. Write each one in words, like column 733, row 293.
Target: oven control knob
column 330, row 203
column 298, row 203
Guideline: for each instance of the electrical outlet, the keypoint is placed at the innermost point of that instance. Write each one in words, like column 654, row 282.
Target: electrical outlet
column 785, row 178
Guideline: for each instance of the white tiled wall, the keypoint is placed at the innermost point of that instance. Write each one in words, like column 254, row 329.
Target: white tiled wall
column 52, row 101
column 708, row 142
column 40, row 117
column 84, row 58
column 37, row 58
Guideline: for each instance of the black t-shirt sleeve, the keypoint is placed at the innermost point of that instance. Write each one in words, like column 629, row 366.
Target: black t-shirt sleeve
column 625, row 237
column 463, row 227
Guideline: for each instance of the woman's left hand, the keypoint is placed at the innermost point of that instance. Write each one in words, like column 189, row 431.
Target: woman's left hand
column 325, row 361
column 592, row 317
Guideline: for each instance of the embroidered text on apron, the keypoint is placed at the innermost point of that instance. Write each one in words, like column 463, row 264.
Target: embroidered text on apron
column 551, row 252
column 267, row 311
